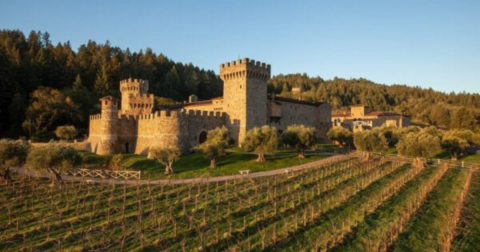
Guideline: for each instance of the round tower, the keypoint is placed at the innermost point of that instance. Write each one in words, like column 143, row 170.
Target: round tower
column 109, row 121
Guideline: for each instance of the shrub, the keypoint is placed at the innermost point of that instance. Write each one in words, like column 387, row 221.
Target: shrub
column 66, row 132
column 12, row 153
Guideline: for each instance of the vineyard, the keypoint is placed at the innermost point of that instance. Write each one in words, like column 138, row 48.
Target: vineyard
column 385, row 204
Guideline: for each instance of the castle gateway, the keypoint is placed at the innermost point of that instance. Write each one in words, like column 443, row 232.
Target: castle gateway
column 136, row 126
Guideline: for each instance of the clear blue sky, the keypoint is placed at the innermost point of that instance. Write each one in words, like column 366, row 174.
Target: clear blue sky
column 415, row 42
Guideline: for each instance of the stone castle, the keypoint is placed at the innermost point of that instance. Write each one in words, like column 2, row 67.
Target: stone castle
column 136, row 126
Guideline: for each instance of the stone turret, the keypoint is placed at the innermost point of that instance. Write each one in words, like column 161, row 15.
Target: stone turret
column 109, row 121
column 244, row 95
column 135, row 97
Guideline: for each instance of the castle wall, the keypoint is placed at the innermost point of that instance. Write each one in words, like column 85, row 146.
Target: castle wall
column 201, row 121
column 127, row 129
column 137, row 134
column 95, row 132
column 215, row 105
column 301, row 114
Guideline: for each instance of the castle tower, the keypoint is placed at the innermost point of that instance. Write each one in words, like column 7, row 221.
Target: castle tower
column 108, row 124
column 135, row 97
column 244, row 95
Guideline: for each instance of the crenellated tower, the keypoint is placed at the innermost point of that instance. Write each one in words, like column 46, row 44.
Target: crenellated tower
column 108, row 124
column 135, row 97
column 244, row 95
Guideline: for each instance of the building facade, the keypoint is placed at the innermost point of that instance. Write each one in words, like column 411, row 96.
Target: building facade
column 136, row 126
column 360, row 118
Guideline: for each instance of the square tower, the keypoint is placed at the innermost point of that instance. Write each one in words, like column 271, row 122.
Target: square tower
column 244, row 95
column 359, row 110
column 135, row 97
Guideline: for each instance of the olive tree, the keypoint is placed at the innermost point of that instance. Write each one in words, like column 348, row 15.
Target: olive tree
column 165, row 156
column 341, row 136
column 419, row 145
column 369, row 141
column 54, row 158
column 456, row 142
column 66, row 132
column 392, row 134
column 215, row 145
column 299, row 137
column 261, row 140
column 12, row 153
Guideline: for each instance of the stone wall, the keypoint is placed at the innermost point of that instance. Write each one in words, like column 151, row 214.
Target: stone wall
column 244, row 95
column 214, row 105
column 291, row 113
column 201, row 121
column 95, row 132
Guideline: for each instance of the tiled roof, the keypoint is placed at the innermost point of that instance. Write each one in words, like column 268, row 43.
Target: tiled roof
column 284, row 99
column 372, row 113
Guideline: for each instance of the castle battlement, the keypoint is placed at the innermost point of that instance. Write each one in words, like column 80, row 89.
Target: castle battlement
column 245, row 68
column 95, row 117
column 128, row 117
column 204, row 114
column 134, row 85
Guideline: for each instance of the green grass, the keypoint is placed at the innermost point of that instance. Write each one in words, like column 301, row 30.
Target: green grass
column 472, row 158
column 196, row 165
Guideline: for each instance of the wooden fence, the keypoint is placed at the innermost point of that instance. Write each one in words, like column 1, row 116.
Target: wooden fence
column 105, row 174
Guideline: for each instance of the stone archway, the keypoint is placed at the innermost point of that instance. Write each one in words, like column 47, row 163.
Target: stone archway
column 202, row 137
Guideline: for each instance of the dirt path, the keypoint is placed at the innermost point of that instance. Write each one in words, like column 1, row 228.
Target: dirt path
column 332, row 159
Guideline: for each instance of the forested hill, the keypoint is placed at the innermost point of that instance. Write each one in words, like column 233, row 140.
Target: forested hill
column 425, row 105
column 85, row 74
column 44, row 85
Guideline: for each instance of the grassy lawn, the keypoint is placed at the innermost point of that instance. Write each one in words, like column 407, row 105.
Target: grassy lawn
column 472, row 158
column 469, row 158
column 196, row 165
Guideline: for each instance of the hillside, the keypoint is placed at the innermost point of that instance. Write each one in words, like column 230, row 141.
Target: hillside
column 77, row 78
column 424, row 105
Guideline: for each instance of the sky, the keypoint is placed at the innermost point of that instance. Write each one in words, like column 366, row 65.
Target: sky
column 431, row 44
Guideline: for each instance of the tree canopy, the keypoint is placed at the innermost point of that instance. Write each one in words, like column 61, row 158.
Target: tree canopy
column 53, row 158
column 261, row 140
column 422, row 144
column 215, row 145
column 370, row 141
column 340, row 135
column 67, row 132
column 165, row 156
column 299, row 137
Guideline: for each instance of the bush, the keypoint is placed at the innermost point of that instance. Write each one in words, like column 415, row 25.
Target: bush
column 66, row 132
column 116, row 161
column 12, row 153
